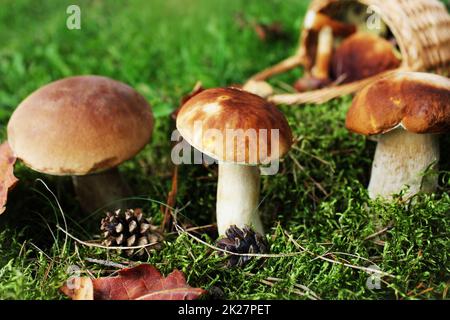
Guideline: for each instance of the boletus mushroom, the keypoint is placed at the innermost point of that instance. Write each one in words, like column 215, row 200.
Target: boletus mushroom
column 84, row 127
column 320, row 73
column 363, row 55
column 407, row 111
column 240, row 130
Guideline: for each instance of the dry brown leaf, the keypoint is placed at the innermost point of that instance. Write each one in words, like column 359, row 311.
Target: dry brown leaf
column 143, row 282
column 7, row 178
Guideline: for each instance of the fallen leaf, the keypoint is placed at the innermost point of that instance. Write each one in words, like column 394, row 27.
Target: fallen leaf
column 7, row 178
column 143, row 282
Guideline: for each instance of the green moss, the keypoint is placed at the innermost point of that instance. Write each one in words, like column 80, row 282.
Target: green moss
column 162, row 48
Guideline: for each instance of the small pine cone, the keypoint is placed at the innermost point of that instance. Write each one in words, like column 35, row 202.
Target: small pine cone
column 243, row 240
column 129, row 228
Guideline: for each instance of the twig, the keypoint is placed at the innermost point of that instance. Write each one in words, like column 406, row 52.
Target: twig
column 351, row 255
column 171, row 198
column 376, row 234
column 262, row 255
column 40, row 250
column 315, row 157
column 317, row 184
column 106, row 263
column 196, row 228
column 48, row 227
column 313, row 295
column 368, row 270
column 47, row 272
column 60, row 210
column 297, row 292
column 82, row 262
column 379, row 242
column 410, row 293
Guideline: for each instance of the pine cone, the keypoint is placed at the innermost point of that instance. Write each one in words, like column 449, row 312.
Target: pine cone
column 128, row 228
column 243, row 240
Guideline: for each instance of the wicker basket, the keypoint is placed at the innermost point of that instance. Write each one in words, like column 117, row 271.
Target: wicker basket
column 421, row 29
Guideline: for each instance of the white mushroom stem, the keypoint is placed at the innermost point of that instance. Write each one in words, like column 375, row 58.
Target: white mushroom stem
column 401, row 159
column 324, row 53
column 316, row 21
column 238, row 197
column 105, row 189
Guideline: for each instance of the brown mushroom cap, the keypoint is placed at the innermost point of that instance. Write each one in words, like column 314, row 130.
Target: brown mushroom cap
column 363, row 55
column 223, row 109
column 80, row 125
column 418, row 102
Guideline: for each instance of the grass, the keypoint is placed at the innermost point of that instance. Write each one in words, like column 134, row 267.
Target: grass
column 162, row 48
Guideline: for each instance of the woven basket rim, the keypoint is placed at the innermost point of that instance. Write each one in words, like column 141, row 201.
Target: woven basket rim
column 412, row 51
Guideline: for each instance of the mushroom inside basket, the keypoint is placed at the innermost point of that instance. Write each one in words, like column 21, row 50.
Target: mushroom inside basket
column 348, row 44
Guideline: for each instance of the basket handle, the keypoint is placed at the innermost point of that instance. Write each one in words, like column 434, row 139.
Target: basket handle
column 281, row 67
column 326, row 94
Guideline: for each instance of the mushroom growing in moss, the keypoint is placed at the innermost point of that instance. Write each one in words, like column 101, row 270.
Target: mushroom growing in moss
column 407, row 111
column 236, row 128
column 84, row 127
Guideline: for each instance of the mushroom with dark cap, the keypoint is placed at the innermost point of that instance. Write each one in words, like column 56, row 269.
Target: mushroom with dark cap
column 84, row 127
column 226, row 124
column 407, row 111
column 363, row 55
